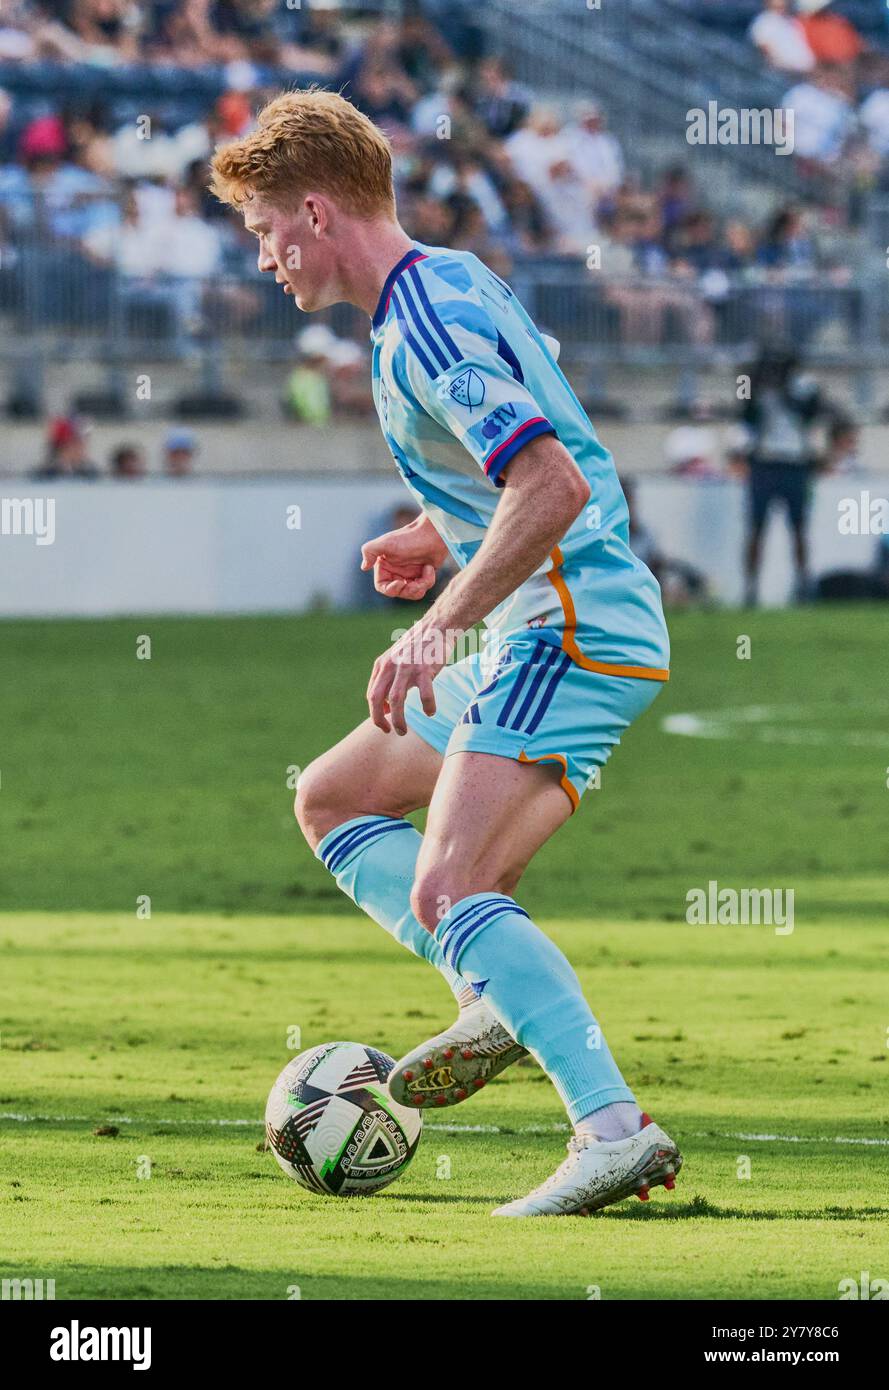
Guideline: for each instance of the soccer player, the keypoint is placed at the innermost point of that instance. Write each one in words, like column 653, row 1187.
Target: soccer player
column 513, row 482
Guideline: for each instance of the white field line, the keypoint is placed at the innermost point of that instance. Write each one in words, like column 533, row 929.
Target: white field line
column 758, row 722
column 555, row 1128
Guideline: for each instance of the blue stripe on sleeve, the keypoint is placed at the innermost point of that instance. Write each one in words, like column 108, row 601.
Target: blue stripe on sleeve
column 409, row 338
column 434, row 319
column 416, row 318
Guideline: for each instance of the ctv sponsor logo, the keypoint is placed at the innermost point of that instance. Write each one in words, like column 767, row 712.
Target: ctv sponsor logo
column 12, row 1289
column 863, row 515
column 29, row 516
column 504, row 417
column 742, row 125
column 731, row 907
column 76, row 1343
column 865, row 1287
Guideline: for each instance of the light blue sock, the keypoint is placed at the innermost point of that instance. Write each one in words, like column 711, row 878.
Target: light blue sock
column 373, row 859
column 536, row 995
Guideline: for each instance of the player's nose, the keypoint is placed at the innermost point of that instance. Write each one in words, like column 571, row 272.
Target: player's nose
column 265, row 261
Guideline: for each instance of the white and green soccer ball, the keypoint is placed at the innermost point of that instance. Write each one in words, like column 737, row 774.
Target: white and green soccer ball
column 332, row 1125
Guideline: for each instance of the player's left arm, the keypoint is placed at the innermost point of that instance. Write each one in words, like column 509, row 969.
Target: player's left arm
column 543, row 493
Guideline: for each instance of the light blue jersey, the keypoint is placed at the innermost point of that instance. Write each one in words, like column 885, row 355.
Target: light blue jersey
column 462, row 380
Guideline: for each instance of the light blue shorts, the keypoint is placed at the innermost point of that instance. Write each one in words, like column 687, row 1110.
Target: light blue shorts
column 533, row 703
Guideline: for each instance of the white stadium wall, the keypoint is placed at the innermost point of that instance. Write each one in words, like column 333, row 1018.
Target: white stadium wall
column 227, row 546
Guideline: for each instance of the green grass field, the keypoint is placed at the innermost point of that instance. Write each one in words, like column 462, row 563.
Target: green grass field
column 123, row 779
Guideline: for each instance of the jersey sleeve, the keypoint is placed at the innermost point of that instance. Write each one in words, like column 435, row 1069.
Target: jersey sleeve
column 460, row 369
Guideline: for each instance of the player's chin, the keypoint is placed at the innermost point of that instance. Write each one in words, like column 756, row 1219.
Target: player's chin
column 309, row 301
column 301, row 297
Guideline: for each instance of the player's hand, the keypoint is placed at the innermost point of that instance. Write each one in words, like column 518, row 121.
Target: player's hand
column 404, row 561
column 399, row 580
column 414, row 660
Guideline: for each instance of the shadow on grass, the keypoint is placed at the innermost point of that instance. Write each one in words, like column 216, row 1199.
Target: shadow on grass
column 96, row 1283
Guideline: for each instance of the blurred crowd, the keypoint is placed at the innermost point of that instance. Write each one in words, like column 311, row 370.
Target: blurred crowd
column 479, row 164
column 840, row 85
column 180, row 33
column 68, row 454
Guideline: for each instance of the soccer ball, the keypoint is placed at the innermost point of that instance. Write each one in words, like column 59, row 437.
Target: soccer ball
column 332, row 1125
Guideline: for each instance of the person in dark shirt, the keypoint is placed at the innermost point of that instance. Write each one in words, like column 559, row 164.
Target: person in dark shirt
column 778, row 417
column 500, row 103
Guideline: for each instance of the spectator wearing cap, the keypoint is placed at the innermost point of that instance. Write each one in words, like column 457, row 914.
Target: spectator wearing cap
column 347, row 374
column 307, row 395
column 536, row 147
column 66, row 451
column 43, row 138
column 781, row 38
column 180, row 449
column 594, row 152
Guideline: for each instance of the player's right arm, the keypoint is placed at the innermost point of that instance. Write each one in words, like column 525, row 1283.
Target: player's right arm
column 405, row 561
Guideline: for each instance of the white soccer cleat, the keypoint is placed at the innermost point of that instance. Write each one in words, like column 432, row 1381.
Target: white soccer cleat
column 458, row 1062
column 599, row 1172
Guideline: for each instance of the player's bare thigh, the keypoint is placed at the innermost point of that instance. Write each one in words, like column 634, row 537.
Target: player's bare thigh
column 367, row 773
column 488, row 817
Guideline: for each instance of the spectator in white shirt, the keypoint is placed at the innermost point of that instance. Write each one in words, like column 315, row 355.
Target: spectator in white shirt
column 190, row 247
column 540, row 155
column 168, row 261
column 594, row 151
column 781, row 38
column 536, row 148
column 874, row 117
column 823, row 118
column 128, row 244
column 571, row 209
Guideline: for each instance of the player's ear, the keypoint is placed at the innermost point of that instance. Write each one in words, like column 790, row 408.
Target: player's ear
column 316, row 211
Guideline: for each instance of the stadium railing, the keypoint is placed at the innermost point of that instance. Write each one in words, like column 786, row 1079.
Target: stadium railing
column 56, row 306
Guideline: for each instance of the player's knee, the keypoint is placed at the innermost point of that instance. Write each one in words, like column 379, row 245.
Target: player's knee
column 316, row 804
column 439, row 888
column 430, row 899
column 434, row 893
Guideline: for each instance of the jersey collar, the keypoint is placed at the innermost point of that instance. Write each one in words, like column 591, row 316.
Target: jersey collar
column 409, row 258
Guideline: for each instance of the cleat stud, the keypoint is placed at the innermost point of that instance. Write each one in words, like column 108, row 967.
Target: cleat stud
column 448, row 1053
column 440, row 1100
column 670, row 1182
column 428, row 1063
column 466, row 1054
column 416, row 1100
column 642, row 1193
column 461, row 1094
column 478, row 1083
column 408, row 1075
